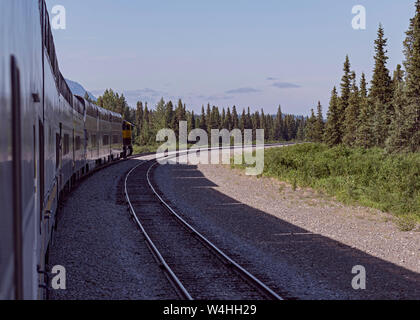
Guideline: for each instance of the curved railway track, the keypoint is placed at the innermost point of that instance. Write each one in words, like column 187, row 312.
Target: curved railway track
column 196, row 268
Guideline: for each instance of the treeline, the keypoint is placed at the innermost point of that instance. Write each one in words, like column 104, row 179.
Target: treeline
column 115, row 102
column 387, row 114
column 281, row 127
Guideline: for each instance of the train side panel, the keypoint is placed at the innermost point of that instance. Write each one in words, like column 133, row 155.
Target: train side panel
column 116, row 134
column 104, row 135
column 92, row 128
column 7, row 251
column 21, row 62
column 79, row 137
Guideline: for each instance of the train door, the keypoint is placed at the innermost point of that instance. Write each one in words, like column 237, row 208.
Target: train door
column 17, row 179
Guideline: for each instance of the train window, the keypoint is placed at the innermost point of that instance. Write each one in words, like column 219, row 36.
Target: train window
column 94, row 143
column 105, row 140
column 66, row 147
column 115, row 139
column 78, row 143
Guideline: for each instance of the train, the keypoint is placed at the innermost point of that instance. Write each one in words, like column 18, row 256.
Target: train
column 49, row 139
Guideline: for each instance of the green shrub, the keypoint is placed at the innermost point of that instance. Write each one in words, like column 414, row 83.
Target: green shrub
column 373, row 178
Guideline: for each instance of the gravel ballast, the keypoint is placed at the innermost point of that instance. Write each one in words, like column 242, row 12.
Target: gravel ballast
column 302, row 244
column 104, row 253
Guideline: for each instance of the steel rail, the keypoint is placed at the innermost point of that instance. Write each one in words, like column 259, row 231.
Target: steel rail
column 172, row 277
column 253, row 280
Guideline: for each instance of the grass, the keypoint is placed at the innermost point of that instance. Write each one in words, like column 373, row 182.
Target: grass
column 371, row 178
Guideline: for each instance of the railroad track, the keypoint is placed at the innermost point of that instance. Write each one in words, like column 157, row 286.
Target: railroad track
column 196, row 268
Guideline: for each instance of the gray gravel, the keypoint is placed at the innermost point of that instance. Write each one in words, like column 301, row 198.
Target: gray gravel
column 301, row 244
column 104, row 254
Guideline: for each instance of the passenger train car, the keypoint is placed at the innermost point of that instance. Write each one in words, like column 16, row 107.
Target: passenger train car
column 49, row 138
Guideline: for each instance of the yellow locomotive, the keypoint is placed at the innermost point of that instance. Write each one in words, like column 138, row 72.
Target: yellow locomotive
column 127, row 129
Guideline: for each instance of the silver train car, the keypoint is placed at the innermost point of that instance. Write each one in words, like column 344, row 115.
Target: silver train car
column 49, row 139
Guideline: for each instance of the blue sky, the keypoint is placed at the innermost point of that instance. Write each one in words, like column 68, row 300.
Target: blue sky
column 248, row 53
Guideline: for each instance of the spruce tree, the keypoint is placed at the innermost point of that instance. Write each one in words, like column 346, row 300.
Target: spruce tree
column 352, row 115
column 300, row 135
column 399, row 138
column 145, row 136
column 344, row 100
column 139, row 117
column 248, row 119
column 235, row 118
column 170, row 121
column 398, row 76
column 310, row 129
column 318, row 130
column 263, row 124
column 208, row 120
column 223, row 118
column 279, row 126
column 203, row 123
column 407, row 136
column 191, row 122
column 364, row 136
column 228, row 120
column 381, row 91
column 242, row 122
column 332, row 128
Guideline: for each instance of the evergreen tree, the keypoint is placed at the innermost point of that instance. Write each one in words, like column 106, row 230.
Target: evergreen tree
column 318, row 130
column 352, row 115
column 310, row 128
column 139, row 117
column 263, row 124
column 170, row 120
column 215, row 118
column 208, row 120
column 228, row 123
column 235, row 118
column 159, row 117
column 332, row 128
column 180, row 115
column 203, row 122
column 381, row 91
column 399, row 138
column 278, row 126
column 344, row 100
column 248, row 119
column 191, row 121
column 300, row 135
column 223, row 118
column 398, row 76
column 242, row 121
column 406, row 136
column 364, row 136
column 145, row 137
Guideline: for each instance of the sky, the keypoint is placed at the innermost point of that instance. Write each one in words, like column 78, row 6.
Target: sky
column 248, row 53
